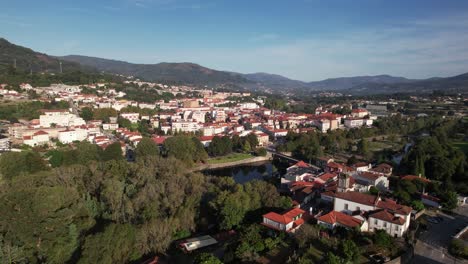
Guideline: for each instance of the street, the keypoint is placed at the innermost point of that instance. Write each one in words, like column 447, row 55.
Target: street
column 432, row 245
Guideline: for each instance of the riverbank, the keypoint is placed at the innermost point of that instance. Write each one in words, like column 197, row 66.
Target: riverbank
column 231, row 164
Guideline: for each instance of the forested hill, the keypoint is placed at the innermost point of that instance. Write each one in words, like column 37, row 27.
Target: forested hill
column 189, row 73
column 29, row 60
column 455, row 84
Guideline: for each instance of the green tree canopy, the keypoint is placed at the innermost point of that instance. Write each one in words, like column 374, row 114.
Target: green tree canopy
column 146, row 147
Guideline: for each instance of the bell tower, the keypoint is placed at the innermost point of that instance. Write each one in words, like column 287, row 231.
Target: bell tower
column 343, row 182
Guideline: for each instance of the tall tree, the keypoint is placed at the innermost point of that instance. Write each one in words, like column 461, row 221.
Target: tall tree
column 146, row 147
column 112, row 152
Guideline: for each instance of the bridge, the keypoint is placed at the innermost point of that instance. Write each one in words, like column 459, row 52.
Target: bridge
column 280, row 155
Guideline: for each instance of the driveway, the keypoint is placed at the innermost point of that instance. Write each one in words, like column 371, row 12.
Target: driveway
column 432, row 245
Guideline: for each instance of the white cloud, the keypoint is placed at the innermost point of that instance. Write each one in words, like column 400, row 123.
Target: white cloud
column 416, row 49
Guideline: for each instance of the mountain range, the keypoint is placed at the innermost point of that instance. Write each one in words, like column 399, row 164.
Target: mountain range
column 194, row 74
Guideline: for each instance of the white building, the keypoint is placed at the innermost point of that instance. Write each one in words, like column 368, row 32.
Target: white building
column 185, row 126
column 70, row 135
column 61, row 118
column 5, row 144
column 133, row 117
column 110, row 126
column 248, row 106
column 357, row 122
column 323, row 125
column 37, row 139
column 384, row 214
column 368, row 179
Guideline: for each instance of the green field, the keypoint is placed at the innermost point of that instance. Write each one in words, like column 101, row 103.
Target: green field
column 229, row 158
column 462, row 145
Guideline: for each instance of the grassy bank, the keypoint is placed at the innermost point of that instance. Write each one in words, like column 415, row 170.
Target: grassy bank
column 229, row 158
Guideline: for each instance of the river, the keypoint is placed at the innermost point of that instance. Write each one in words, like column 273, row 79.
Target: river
column 254, row 171
column 245, row 173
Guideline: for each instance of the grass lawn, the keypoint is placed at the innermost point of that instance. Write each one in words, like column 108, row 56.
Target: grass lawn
column 229, row 158
column 462, row 145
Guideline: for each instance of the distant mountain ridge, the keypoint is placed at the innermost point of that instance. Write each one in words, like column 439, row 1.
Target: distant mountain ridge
column 28, row 60
column 274, row 80
column 184, row 72
column 194, row 74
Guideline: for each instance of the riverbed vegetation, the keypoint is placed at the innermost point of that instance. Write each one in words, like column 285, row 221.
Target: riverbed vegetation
column 229, row 158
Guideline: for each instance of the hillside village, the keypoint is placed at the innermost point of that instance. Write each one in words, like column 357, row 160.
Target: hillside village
column 206, row 114
column 335, row 183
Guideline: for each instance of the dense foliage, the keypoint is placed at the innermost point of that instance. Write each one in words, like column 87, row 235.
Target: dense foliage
column 28, row 110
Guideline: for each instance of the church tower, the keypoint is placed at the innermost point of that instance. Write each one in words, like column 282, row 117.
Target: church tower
column 343, row 182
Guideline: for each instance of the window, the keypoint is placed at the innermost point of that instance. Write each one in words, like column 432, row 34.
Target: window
column 385, row 224
column 346, row 206
column 358, row 208
column 396, row 228
column 376, row 221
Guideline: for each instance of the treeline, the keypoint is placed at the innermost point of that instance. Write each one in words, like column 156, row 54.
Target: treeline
column 28, row 110
column 94, row 206
column 14, row 77
column 314, row 144
column 434, row 156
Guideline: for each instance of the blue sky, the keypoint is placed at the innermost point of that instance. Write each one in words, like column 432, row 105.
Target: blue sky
column 304, row 39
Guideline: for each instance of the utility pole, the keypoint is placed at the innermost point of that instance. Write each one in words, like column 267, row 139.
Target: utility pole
column 60, row 67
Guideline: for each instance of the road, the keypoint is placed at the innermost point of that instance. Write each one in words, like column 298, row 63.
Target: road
column 431, row 247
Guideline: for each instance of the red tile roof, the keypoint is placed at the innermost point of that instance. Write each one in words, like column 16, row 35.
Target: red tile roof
column 206, row 138
column 358, row 197
column 369, row 175
column 302, row 164
column 159, row 140
column 393, row 206
column 341, row 218
column 40, row 132
column 386, row 216
column 284, row 218
column 414, row 177
column 327, row 176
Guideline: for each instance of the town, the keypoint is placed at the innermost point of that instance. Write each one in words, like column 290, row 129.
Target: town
column 335, row 167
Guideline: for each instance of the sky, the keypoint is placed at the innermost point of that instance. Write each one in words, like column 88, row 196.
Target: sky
column 306, row 40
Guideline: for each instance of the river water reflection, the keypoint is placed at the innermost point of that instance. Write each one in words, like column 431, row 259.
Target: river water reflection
column 245, row 173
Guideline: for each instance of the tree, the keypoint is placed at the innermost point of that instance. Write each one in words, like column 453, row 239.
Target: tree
column 146, row 147
column 373, row 190
column 417, row 205
column 10, row 253
column 116, row 244
column 251, row 243
column 458, row 248
column 363, row 148
column 382, row 239
column 220, row 146
column 450, row 200
column 200, row 152
column 306, row 234
column 349, row 250
column 207, row 258
column 56, row 158
column 15, row 163
column 185, row 148
column 45, row 205
column 104, row 114
column 124, row 122
column 84, row 153
column 252, row 139
column 112, row 152
column 246, row 147
column 332, row 258
column 87, row 113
